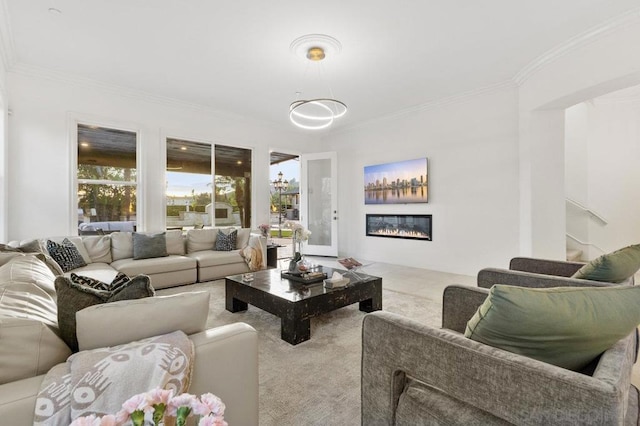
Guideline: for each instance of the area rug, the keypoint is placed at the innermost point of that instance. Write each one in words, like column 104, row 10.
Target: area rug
column 316, row 382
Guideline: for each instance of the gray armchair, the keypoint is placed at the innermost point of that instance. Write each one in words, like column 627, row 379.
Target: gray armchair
column 414, row 374
column 540, row 273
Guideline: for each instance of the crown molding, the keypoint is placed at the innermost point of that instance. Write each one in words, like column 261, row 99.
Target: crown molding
column 436, row 103
column 7, row 50
column 589, row 36
column 75, row 80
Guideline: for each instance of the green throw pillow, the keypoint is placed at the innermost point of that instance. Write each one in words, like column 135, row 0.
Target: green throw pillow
column 612, row 267
column 565, row 326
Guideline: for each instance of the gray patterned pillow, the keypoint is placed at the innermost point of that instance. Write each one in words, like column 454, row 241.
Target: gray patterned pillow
column 147, row 246
column 74, row 297
column 226, row 242
column 120, row 280
column 66, row 255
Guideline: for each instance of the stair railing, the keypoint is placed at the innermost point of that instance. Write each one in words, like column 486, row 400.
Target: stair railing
column 584, row 243
column 585, row 209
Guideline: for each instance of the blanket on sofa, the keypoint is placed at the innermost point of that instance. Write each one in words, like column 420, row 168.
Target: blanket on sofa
column 253, row 254
column 98, row 381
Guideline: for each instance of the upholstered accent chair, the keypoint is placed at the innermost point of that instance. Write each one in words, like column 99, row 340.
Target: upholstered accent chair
column 539, row 273
column 415, row 374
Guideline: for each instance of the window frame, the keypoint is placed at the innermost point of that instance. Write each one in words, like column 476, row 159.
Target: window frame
column 74, row 122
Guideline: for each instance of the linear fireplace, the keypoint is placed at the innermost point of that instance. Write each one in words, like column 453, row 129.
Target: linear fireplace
column 408, row 226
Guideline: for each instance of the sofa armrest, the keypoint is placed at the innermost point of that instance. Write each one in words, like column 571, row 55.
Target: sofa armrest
column 459, row 304
column 18, row 401
column 515, row 388
column 489, row 276
column 226, row 364
column 545, row 266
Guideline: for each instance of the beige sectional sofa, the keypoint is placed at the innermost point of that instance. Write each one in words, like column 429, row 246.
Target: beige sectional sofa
column 226, row 358
column 191, row 256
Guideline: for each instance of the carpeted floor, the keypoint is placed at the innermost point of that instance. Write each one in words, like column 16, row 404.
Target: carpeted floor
column 316, row 382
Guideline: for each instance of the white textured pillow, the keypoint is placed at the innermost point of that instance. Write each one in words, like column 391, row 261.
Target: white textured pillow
column 121, row 245
column 201, row 239
column 130, row 320
column 175, row 242
column 98, row 247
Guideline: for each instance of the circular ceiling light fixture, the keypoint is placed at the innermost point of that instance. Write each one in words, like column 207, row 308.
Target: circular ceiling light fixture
column 317, row 113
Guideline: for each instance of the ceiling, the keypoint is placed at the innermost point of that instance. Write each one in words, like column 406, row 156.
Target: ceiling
column 234, row 57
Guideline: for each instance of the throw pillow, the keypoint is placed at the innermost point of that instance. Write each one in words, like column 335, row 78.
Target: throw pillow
column 149, row 246
column 565, row 326
column 65, row 254
column 226, row 242
column 120, row 280
column 612, row 267
column 73, row 297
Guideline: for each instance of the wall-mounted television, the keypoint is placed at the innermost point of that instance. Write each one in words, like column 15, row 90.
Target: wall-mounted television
column 402, row 182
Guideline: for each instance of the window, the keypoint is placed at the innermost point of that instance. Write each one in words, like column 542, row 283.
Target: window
column 195, row 196
column 107, row 179
column 189, row 184
column 233, row 186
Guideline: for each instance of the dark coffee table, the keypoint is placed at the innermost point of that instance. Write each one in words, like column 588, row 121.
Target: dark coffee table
column 295, row 303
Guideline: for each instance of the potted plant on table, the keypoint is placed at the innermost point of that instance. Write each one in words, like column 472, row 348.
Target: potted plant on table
column 299, row 235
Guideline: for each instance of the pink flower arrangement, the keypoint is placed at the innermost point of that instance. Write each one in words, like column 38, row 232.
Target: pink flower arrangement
column 264, row 229
column 153, row 406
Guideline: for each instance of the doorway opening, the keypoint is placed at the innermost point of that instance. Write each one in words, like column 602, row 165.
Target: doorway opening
column 284, row 188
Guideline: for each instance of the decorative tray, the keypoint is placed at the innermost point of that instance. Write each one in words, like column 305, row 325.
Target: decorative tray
column 304, row 277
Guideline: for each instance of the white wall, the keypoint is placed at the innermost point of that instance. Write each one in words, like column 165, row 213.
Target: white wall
column 473, row 183
column 4, row 196
column 584, row 68
column 40, row 193
column 577, row 174
column 607, row 129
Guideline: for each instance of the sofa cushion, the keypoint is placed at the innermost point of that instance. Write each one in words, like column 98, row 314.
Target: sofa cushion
column 243, row 238
column 201, row 239
column 29, row 340
column 33, row 246
column 30, row 269
column 565, row 326
column 153, row 266
column 613, row 267
column 175, row 242
column 66, row 254
column 98, row 247
column 5, row 257
column 208, row 258
column 184, row 311
column 74, row 297
column 226, row 241
column 28, row 348
column 121, row 245
column 99, row 271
